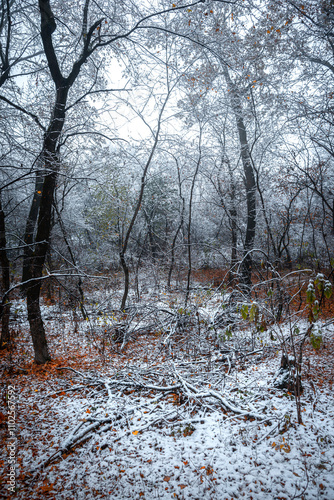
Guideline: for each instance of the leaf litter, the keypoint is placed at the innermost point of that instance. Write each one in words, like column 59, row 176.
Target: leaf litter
column 156, row 420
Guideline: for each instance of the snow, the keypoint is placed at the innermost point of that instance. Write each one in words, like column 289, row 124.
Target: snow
column 152, row 445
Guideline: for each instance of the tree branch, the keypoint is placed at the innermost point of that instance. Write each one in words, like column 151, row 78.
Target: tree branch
column 19, row 108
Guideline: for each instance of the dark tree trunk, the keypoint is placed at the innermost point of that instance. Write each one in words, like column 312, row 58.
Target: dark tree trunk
column 126, row 279
column 5, row 28
column 250, row 182
column 39, row 222
column 37, row 331
column 4, row 306
column 33, row 262
column 38, row 227
column 234, row 237
column 31, row 226
column 251, row 204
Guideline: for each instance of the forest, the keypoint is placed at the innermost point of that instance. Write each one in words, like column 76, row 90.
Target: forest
column 167, row 249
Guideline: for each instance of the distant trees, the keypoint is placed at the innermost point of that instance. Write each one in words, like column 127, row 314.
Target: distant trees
column 67, row 46
column 11, row 57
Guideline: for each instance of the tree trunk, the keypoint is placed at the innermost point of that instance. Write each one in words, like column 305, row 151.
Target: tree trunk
column 33, row 262
column 34, row 258
column 126, row 279
column 40, row 214
column 198, row 163
column 234, row 242
column 232, row 215
column 4, row 306
column 31, row 226
column 178, row 228
column 37, row 331
column 250, row 182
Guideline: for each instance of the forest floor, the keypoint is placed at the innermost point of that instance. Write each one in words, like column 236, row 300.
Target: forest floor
column 99, row 421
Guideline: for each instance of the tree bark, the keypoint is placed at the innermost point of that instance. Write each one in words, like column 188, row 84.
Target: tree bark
column 5, row 24
column 250, row 182
column 33, row 262
column 198, row 163
column 42, row 202
column 37, row 331
column 5, row 305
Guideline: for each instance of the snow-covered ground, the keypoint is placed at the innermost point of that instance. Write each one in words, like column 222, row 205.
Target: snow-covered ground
column 149, row 443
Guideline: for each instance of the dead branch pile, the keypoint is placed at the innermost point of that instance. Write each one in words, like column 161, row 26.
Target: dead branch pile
column 167, row 394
